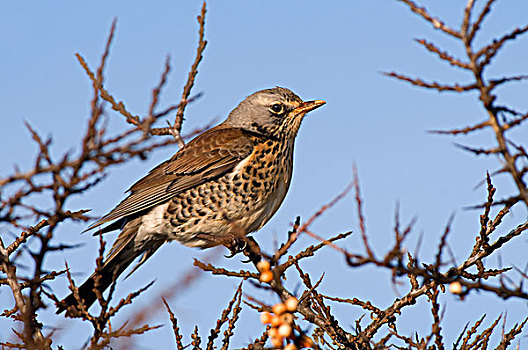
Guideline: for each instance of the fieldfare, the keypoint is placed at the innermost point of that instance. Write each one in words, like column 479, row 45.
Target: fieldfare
column 233, row 175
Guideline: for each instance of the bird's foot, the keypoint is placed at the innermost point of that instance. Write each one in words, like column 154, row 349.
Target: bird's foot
column 235, row 246
column 243, row 244
column 252, row 250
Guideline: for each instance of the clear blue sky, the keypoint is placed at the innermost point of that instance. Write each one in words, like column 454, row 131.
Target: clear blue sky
column 333, row 52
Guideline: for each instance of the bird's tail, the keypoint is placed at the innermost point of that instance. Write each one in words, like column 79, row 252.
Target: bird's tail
column 123, row 253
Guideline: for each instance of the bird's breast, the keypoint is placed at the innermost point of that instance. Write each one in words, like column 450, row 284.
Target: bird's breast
column 264, row 178
column 247, row 197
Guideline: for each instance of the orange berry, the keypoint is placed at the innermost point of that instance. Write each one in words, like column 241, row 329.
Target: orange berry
column 265, row 317
column 275, row 321
column 266, row 276
column 286, row 318
column 307, row 342
column 290, row 346
column 263, row 265
column 276, row 341
column 291, row 304
column 272, row 332
column 285, row 330
column 279, row 309
column 455, row 287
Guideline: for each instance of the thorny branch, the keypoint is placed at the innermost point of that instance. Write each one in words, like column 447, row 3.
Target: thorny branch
column 310, row 319
column 175, row 129
column 478, row 59
column 57, row 179
column 426, row 279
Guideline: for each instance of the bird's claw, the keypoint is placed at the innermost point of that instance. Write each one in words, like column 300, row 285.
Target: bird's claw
column 235, row 246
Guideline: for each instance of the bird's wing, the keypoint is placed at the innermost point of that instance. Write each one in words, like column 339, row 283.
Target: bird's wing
column 209, row 156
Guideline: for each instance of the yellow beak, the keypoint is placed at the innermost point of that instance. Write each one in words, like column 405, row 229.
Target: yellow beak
column 308, row 106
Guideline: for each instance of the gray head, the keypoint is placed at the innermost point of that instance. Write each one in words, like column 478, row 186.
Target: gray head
column 277, row 112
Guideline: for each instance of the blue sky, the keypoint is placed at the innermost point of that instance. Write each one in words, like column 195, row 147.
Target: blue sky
column 335, row 52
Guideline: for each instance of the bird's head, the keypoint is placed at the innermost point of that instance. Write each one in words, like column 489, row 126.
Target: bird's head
column 276, row 112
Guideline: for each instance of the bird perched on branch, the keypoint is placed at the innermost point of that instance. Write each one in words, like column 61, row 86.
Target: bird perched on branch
column 233, row 175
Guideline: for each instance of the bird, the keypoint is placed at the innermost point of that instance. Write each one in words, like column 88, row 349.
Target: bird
column 234, row 175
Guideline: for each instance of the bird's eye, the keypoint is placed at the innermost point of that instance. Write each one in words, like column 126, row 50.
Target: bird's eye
column 277, row 108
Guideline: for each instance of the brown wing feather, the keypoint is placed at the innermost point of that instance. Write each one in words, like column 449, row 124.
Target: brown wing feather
column 210, row 155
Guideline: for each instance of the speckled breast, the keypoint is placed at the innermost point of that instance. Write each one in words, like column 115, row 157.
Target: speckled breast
column 246, row 197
